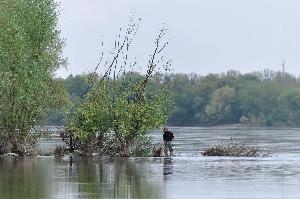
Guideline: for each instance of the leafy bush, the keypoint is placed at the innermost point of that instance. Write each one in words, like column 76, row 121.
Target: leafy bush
column 118, row 110
column 30, row 52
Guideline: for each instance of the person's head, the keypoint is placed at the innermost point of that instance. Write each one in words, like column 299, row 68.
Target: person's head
column 165, row 129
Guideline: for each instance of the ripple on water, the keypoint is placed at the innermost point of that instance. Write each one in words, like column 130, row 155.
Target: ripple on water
column 188, row 175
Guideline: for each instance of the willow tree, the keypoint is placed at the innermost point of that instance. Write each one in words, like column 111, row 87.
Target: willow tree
column 30, row 52
column 120, row 108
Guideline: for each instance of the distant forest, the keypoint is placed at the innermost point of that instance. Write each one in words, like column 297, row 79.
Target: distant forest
column 264, row 98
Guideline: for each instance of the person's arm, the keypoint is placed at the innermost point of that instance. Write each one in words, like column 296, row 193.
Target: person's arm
column 164, row 137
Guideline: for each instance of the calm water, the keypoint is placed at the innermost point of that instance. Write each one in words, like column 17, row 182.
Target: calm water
column 189, row 175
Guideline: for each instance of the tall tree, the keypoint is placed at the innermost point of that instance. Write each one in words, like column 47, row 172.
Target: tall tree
column 30, row 52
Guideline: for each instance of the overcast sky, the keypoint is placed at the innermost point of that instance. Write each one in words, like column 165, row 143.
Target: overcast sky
column 206, row 36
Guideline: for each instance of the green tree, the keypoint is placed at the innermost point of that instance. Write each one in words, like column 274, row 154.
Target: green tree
column 30, row 52
column 288, row 109
column 76, row 86
column 258, row 101
column 183, row 87
column 219, row 107
column 60, row 104
column 121, row 108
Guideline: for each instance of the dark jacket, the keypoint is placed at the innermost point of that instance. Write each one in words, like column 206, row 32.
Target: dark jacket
column 168, row 136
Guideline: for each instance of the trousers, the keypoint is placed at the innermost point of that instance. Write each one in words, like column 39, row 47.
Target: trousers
column 168, row 147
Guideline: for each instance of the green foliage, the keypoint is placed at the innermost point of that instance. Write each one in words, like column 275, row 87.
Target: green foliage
column 29, row 54
column 120, row 114
column 76, row 86
column 59, row 105
column 288, row 109
column 93, row 116
column 69, row 94
column 258, row 98
column 120, row 108
column 219, row 106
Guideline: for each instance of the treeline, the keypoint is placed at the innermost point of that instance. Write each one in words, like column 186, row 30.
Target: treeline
column 265, row 98
column 261, row 98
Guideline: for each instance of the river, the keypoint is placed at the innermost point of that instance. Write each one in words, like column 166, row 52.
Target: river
column 186, row 176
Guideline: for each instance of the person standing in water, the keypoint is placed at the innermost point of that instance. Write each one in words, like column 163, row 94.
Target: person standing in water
column 168, row 138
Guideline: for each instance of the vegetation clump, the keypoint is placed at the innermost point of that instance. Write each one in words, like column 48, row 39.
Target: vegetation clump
column 59, row 151
column 120, row 108
column 235, row 148
column 158, row 150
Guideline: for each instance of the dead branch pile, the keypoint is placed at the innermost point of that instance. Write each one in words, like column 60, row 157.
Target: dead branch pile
column 235, row 148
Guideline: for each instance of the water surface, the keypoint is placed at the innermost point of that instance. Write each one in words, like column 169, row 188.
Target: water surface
column 189, row 175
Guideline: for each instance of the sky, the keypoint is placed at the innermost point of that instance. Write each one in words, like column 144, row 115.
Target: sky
column 205, row 36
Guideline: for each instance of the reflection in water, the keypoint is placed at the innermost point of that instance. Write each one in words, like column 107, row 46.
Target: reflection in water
column 22, row 179
column 179, row 177
column 71, row 161
column 74, row 178
column 114, row 178
column 167, row 167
